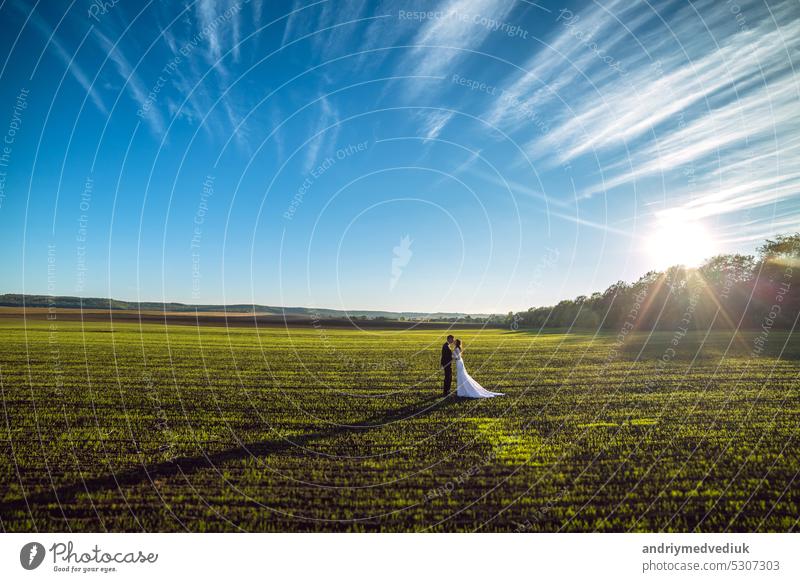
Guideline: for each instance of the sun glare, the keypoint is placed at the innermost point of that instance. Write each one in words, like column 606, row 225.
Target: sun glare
column 679, row 241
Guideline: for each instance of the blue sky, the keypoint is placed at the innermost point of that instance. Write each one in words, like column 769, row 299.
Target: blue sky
column 476, row 156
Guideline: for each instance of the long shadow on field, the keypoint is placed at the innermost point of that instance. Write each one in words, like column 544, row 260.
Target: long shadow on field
column 189, row 465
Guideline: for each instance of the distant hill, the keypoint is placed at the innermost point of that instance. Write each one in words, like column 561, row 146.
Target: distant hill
column 65, row 302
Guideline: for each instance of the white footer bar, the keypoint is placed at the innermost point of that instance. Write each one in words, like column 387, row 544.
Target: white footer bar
column 415, row 557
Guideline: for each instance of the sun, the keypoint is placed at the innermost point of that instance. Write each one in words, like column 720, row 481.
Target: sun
column 678, row 240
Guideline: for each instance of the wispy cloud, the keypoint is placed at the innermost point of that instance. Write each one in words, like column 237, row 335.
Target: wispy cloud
column 566, row 63
column 236, row 29
column 320, row 22
column 206, row 14
column 277, row 135
column 69, row 60
column 257, row 7
column 380, row 33
column 328, row 116
column 434, row 123
column 625, row 112
column 518, row 188
column 591, row 223
column 291, row 21
column 219, row 29
column 136, row 88
column 455, row 29
column 714, row 100
column 758, row 230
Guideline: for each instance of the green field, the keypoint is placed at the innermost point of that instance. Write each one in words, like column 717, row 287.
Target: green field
column 157, row 428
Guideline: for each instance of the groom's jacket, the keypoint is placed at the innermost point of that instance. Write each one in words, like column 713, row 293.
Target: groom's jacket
column 447, row 355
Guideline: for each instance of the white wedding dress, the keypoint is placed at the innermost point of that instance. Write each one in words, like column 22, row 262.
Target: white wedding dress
column 467, row 386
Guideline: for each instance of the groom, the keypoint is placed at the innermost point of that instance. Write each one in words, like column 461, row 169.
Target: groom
column 446, row 363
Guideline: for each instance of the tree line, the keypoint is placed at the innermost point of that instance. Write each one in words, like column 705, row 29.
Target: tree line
column 730, row 291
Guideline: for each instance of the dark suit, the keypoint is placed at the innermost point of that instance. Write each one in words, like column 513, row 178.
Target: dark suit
column 446, row 363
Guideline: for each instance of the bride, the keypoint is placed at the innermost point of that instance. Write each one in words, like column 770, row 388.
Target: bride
column 467, row 387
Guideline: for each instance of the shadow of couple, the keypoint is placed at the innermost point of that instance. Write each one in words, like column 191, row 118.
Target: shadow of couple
column 186, row 465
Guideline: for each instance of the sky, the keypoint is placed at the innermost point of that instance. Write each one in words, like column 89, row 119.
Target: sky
column 477, row 156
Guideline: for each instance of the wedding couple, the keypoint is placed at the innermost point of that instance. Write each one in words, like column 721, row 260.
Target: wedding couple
column 466, row 386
